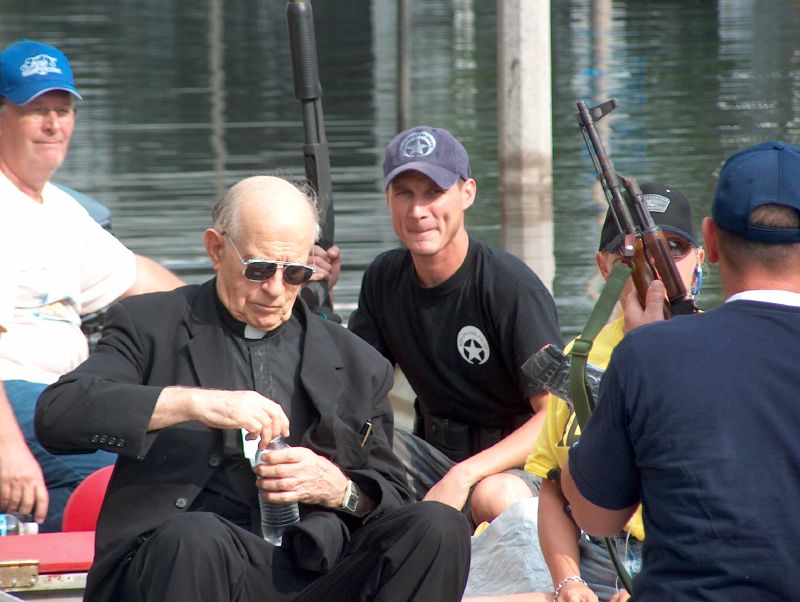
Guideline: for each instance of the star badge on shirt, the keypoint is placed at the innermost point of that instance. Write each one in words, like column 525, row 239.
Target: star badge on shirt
column 473, row 346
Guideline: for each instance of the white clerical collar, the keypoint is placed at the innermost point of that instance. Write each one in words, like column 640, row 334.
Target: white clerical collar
column 253, row 333
column 768, row 296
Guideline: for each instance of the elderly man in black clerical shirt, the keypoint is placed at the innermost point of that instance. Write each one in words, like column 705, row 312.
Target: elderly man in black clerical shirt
column 179, row 386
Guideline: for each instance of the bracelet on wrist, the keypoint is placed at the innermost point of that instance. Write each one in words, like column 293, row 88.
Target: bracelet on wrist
column 564, row 581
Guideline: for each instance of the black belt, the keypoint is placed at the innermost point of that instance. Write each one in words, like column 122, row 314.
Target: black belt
column 458, row 440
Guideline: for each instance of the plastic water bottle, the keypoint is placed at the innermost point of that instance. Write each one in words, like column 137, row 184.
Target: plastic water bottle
column 275, row 517
column 14, row 523
column 548, row 369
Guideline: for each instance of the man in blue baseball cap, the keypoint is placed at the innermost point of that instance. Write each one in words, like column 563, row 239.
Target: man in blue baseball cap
column 459, row 318
column 56, row 264
column 29, row 69
column 698, row 416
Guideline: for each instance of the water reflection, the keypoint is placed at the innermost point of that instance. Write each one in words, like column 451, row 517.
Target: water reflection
column 184, row 98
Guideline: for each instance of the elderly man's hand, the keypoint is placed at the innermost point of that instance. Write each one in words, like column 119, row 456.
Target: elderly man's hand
column 22, row 486
column 328, row 264
column 297, row 474
column 259, row 416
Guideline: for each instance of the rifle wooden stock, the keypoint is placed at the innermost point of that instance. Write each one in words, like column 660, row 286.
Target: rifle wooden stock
column 645, row 247
column 655, row 250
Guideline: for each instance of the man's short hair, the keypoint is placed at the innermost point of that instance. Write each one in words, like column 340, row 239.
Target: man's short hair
column 742, row 254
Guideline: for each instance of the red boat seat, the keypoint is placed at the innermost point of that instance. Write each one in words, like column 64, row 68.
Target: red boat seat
column 83, row 506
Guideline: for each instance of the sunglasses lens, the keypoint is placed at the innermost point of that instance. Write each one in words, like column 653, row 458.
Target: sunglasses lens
column 679, row 248
column 259, row 271
column 297, row 274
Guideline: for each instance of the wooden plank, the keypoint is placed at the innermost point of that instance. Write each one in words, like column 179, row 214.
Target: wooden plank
column 68, row 552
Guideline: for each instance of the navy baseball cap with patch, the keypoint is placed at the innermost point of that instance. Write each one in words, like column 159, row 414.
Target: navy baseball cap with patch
column 431, row 151
column 670, row 211
column 768, row 173
column 28, row 69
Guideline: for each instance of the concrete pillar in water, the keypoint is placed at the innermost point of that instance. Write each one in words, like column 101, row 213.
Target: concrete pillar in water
column 526, row 133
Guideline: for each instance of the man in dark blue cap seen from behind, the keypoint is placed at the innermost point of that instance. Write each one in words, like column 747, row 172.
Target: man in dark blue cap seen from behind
column 698, row 416
column 459, row 318
column 56, row 264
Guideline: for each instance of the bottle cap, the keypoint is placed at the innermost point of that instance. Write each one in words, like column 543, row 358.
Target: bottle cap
column 29, row 528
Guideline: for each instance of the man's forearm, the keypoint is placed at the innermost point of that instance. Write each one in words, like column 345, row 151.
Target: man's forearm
column 510, row 452
column 152, row 277
column 590, row 517
column 173, row 406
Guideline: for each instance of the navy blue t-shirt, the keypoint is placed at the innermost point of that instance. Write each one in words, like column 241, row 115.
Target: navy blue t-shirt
column 461, row 344
column 699, row 417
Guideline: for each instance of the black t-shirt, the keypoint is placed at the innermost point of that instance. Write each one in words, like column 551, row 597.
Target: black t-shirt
column 460, row 344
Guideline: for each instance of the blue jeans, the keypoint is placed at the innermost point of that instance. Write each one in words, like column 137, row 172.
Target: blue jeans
column 62, row 473
column 598, row 569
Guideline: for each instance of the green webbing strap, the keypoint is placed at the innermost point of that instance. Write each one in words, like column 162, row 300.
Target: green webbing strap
column 582, row 399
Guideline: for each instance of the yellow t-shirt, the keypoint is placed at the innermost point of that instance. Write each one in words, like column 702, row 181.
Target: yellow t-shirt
column 561, row 428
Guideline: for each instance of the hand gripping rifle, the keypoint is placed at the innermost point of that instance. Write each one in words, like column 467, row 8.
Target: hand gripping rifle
column 645, row 247
column 308, row 90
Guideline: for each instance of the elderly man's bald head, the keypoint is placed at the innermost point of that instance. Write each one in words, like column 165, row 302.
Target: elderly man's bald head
column 265, row 194
column 266, row 220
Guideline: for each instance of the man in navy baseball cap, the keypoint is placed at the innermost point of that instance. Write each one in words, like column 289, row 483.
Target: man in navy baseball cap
column 430, row 151
column 765, row 174
column 459, row 317
column 28, row 69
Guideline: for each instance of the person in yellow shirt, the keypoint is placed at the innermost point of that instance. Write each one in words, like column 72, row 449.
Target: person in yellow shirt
column 580, row 566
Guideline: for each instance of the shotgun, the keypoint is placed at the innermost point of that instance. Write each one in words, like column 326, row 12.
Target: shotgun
column 308, row 90
column 645, row 247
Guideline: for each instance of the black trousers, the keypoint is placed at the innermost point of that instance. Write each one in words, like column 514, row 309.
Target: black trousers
column 417, row 553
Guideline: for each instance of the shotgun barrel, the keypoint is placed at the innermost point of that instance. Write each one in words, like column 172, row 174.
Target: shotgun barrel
column 308, row 91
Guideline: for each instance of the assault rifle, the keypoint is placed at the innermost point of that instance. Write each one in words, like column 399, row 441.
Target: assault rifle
column 645, row 247
column 308, row 90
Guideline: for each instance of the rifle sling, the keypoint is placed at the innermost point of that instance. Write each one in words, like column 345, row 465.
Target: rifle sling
column 582, row 398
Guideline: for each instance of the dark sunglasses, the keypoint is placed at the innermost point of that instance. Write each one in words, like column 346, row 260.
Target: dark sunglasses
column 679, row 247
column 261, row 270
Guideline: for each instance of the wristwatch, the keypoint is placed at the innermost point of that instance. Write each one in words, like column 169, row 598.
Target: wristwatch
column 350, row 502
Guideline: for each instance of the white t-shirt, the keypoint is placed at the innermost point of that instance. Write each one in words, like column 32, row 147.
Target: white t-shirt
column 56, row 264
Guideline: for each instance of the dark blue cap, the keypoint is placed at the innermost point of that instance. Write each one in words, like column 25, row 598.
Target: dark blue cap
column 768, row 173
column 431, row 151
column 28, row 69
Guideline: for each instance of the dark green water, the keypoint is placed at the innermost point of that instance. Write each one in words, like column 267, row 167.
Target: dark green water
column 183, row 98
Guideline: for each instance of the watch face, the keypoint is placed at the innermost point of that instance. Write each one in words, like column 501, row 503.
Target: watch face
column 351, row 498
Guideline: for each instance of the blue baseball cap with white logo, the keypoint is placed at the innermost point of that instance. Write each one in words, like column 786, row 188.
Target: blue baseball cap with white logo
column 767, row 173
column 28, row 69
column 430, row 151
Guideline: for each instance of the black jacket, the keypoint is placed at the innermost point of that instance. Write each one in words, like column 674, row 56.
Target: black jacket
column 162, row 339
